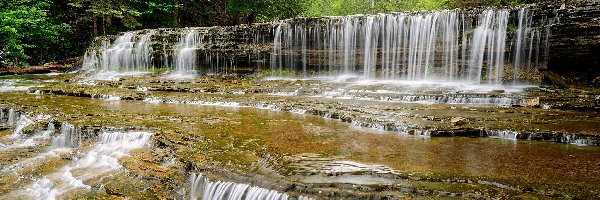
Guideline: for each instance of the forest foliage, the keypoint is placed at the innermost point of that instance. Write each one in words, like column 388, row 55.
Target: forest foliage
column 33, row 32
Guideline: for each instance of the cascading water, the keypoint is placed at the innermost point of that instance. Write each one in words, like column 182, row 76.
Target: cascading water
column 68, row 137
column 531, row 47
column 202, row 188
column 21, row 123
column 186, row 50
column 28, row 162
column 18, row 138
column 97, row 161
column 437, row 45
column 2, row 121
column 489, row 38
column 193, row 56
column 130, row 51
column 13, row 116
column 476, row 46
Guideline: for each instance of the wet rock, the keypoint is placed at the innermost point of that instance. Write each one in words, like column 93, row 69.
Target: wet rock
column 432, row 118
column 596, row 81
column 574, row 40
column 113, row 191
column 504, row 106
column 534, row 103
column 457, row 121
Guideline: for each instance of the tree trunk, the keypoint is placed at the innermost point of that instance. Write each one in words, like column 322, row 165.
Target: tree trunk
column 95, row 22
column 175, row 12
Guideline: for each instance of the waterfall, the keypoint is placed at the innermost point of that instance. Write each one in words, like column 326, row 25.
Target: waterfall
column 488, row 46
column 185, row 58
column 69, row 136
column 510, row 135
column 13, row 116
column 530, row 44
column 131, row 51
column 18, row 138
column 489, row 38
column 20, row 124
column 435, row 45
column 202, row 188
column 101, row 158
column 2, row 116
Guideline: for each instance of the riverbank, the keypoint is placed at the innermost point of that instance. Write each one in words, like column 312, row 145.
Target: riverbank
column 52, row 67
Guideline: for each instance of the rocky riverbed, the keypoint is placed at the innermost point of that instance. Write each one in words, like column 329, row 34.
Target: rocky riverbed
column 315, row 138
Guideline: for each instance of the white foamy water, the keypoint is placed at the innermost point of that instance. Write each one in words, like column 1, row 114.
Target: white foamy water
column 202, row 188
column 130, row 51
column 110, row 76
column 510, row 135
column 106, row 97
column 36, row 138
column 153, row 100
column 100, row 159
column 62, row 143
column 68, row 138
column 21, row 123
column 10, row 85
column 18, row 139
column 294, row 93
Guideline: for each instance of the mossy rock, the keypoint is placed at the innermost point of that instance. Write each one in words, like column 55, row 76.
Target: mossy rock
column 32, row 128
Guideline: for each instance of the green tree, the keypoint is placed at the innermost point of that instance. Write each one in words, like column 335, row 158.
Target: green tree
column 25, row 26
column 493, row 3
column 104, row 13
column 250, row 11
column 350, row 7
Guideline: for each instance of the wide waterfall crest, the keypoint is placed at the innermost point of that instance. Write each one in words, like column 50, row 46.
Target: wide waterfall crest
column 130, row 51
column 445, row 45
column 202, row 188
column 491, row 46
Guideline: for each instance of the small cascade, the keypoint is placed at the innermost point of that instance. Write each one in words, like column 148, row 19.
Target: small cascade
column 43, row 135
column 129, row 52
column 510, row 135
column 186, row 52
column 20, row 138
column 577, row 140
column 20, row 124
column 97, row 161
column 202, row 188
column 387, row 96
column 69, row 136
column 13, row 116
column 2, row 121
column 106, row 97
